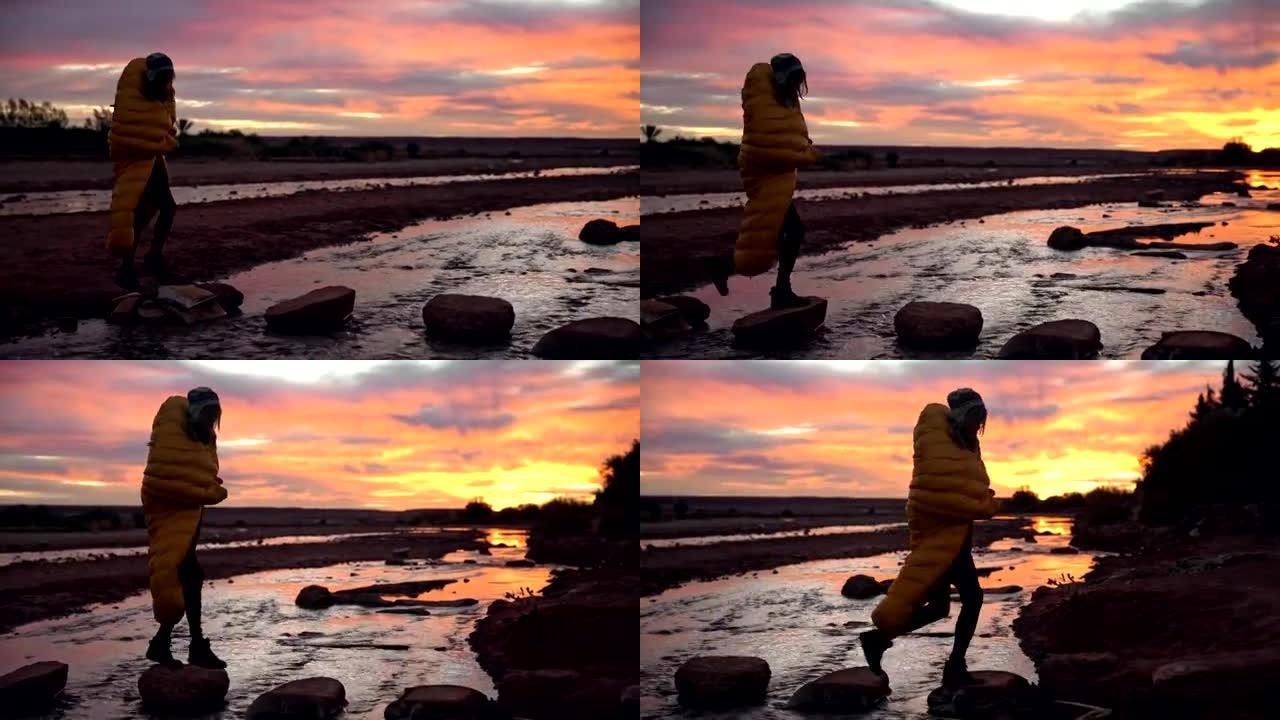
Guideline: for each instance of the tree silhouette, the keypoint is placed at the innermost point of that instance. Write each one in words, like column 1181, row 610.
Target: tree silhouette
column 184, row 126
column 27, row 114
column 619, row 499
column 651, row 132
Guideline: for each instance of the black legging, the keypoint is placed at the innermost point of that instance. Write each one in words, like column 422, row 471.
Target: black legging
column 790, row 236
column 191, row 576
column 156, row 198
column 964, row 576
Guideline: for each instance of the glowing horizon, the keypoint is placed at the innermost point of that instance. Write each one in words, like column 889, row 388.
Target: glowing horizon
column 388, row 435
column 843, row 429
column 500, row 68
column 1115, row 74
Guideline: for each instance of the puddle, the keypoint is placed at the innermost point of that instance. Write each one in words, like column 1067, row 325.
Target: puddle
column 532, row 258
column 1004, row 267
column 711, row 201
column 796, row 619
column 256, row 628
column 744, row 537
column 78, row 201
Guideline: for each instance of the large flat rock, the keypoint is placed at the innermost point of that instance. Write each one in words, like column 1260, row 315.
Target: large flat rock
column 1055, row 340
column 991, row 694
column 447, row 702
column 1198, row 345
column 780, row 327
column 317, row 312
column 33, row 687
column 188, row 689
column 604, row 338
column 720, row 682
column 317, row 698
column 925, row 325
column 468, row 318
column 853, row 690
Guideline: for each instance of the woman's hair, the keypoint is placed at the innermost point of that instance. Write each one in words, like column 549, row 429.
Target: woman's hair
column 204, row 415
column 159, row 89
column 789, row 80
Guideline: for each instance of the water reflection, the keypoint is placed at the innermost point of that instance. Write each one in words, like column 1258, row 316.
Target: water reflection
column 798, row 622
column 743, row 537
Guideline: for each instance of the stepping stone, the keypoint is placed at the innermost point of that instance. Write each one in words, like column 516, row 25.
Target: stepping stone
column 781, row 327
column 1198, row 345
column 1173, row 254
column 991, row 694
column 853, row 690
column 861, row 587
column 924, row 325
column 1066, row 238
column 317, row 698
column 125, row 310
column 315, row 313
column 33, row 687
column 694, row 310
column 604, row 338
column 189, row 689
column 447, row 702
column 661, row 320
column 1055, row 340
column 719, row 682
column 468, row 318
column 602, row 232
column 630, row 233
column 228, row 297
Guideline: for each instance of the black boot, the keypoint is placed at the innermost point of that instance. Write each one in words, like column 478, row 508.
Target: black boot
column 719, row 267
column 784, row 297
column 158, row 652
column 153, row 265
column 955, row 673
column 126, row 276
column 200, row 654
column 874, row 643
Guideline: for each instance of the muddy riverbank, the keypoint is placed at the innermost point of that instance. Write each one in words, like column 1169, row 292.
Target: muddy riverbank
column 31, row 591
column 55, row 265
column 667, row 567
column 1185, row 628
column 673, row 243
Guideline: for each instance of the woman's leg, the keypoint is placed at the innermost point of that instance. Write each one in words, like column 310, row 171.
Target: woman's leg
column 936, row 606
column 964, row 575
column 162, row 197
column 192, row 580
column 790, row 236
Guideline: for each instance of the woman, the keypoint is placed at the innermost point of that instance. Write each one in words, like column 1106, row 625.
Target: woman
column 143, row 129
column 180, row 479
column 949, row 490
column 775, row 144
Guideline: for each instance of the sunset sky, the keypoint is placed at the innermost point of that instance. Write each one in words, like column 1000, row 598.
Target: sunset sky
column 844, row 428
column 335, row 67
column 1126, row 74
column 324, row 434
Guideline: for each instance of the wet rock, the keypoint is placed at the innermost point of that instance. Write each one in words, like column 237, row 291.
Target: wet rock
column 521, row 563
column 316, row 698
column 661, row 320
column 694, row 310
column 1199, row 679
column 990, row 694
column 927, row 325
column 125, row 310
column 317, row 312
column 1173, row 254
column 592, row 339
column 861, row 587
column 1064, row 674
column 1003, row 590
column 1067, row 550
column 189, row 689
column 33, row 687
column 228, row 297
column 468, row 318
column 446, row 702
column 1243, row 192
column 1256, row 288
column 1055, row 340
column 152, row 312
column 1273, row 206
column 553, row 694
column 314, row 597
column 781, row 327
column 1198, row 345
column 1154, row 195
column 843, row 691
column 602, row 232
column 1066, row 238
column 630, row 233
column 398, row 556
column 1149, row 203
column 719, row 682
column 886, row 584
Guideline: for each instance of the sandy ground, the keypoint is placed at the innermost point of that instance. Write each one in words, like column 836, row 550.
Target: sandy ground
column 31, row 591
column 55, row 265
column 663, row 568
column 673, row 243
column 1180, row 599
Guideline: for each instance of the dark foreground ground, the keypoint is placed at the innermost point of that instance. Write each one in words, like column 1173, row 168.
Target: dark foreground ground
column 1183, row 628
column 672, row 244
column 55, row 266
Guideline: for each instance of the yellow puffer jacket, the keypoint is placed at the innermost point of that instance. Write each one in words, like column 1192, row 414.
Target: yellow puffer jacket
column 949, row 490
column 775, row 143
column 142, row 131
column 180, row 479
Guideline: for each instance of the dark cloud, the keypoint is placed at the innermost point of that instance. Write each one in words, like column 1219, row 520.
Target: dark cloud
column 701, row 438
column 1220, row 57
column 461, row 418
